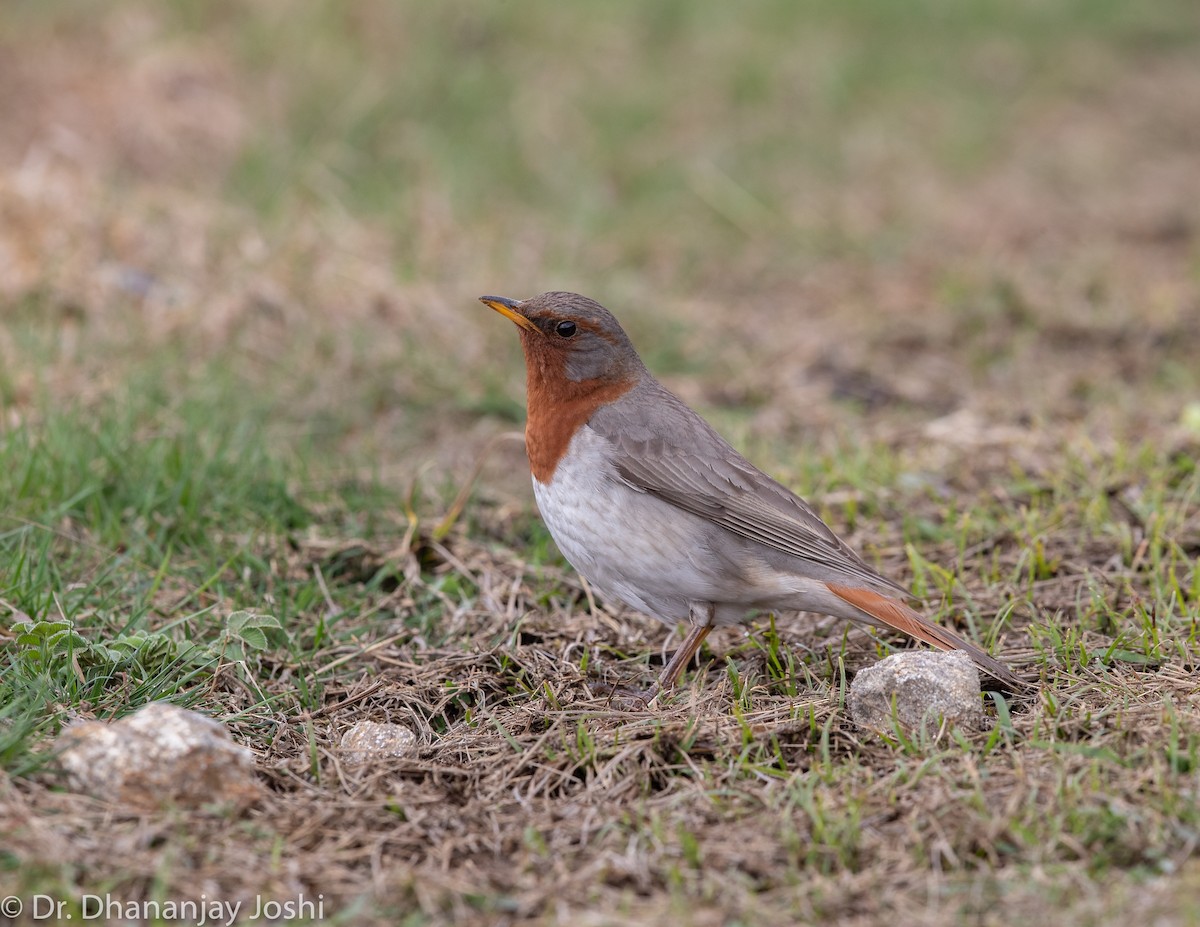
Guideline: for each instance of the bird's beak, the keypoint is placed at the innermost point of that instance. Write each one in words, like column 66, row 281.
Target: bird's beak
column 510, row 309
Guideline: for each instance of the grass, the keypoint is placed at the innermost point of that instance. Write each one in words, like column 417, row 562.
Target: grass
column 935, row 269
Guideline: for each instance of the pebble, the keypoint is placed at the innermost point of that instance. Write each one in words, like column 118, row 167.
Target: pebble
column 926, row 687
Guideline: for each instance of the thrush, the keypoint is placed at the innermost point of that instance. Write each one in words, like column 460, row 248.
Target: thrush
column 656, row 509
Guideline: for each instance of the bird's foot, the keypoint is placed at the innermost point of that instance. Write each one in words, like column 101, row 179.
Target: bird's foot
column 623, row 698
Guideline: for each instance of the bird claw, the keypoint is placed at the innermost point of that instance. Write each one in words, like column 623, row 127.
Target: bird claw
column 623, row 698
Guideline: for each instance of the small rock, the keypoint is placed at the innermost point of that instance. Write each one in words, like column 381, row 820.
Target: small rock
column 159, row 755
column 370, row 740
column 925, row 686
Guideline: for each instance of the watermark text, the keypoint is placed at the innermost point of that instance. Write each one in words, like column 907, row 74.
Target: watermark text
column 200, row 912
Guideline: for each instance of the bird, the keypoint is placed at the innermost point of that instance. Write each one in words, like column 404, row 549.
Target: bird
column 654, row 508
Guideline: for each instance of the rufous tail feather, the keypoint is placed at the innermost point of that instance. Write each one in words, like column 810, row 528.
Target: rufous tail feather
column 897, row 615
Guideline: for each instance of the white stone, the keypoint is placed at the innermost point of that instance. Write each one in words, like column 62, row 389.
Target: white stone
column 159, row 755
column 919, row 689
column 370, row 740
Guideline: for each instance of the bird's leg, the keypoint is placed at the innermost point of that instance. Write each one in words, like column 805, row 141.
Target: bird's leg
column 701, row 617
column 683, row 656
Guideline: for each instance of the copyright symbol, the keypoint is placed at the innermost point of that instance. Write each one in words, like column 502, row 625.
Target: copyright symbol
column 11, row 906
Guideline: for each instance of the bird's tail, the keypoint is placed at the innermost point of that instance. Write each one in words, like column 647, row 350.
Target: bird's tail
column 879, row 609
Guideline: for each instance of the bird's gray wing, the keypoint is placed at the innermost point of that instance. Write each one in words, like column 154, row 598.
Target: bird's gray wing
column 678, row 457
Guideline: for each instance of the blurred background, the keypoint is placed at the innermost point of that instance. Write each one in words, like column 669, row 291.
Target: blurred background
column 824, row 223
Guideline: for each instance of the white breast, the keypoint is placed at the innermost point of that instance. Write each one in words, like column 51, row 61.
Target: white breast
column 651, row 555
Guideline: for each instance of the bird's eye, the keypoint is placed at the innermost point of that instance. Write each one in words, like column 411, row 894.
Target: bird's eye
column 565, row 328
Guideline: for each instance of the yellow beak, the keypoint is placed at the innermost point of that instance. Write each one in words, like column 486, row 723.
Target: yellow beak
column 510, row 309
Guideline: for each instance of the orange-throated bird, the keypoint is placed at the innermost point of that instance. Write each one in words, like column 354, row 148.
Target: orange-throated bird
column 656, row 509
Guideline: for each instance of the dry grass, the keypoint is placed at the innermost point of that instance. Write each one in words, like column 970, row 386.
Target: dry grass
column 962, row 319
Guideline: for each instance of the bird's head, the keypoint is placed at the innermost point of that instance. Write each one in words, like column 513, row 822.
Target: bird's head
column 569, row 338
